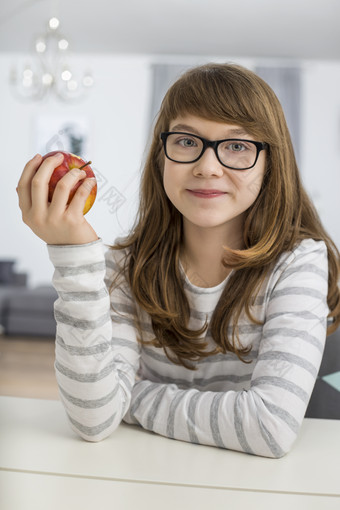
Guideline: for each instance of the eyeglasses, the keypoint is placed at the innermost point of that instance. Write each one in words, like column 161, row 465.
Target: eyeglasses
column 234, row 153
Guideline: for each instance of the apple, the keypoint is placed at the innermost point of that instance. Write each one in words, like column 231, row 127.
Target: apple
column 71, row 161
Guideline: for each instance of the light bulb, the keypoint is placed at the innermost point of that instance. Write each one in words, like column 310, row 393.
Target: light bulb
column 63, row 44
column 53, row 23
column 40, row 46
column 47, row 79
column 66, row 75
column 28, row 73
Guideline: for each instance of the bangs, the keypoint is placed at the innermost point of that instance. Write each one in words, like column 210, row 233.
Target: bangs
column 224, row 93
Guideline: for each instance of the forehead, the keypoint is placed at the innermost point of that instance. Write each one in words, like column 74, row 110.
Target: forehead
column 207, row 128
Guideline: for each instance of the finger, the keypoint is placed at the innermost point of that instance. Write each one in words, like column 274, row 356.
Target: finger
column 79, row 200
column 41, row 179
column 24, row 185
column 63, row 189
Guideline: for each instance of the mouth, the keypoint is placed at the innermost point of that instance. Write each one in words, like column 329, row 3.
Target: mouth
column 206, row 193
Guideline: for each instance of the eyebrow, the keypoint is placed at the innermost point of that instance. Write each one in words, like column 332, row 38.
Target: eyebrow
column 190, row 129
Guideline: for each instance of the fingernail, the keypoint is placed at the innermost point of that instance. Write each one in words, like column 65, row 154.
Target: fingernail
column 36, row 156
column 59, row 155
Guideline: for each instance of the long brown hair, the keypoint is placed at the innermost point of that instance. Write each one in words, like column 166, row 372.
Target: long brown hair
column 281, row 216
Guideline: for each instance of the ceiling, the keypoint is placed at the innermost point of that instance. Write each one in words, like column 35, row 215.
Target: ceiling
column 293, row 29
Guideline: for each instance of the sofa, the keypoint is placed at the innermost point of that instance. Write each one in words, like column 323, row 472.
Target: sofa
column 25, row 311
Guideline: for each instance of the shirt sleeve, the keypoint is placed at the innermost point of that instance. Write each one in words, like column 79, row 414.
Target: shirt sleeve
column 265, row 419
column 97, row 354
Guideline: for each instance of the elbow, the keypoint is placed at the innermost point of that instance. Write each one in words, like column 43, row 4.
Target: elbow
column 276, row 445
column 271, row 452
column 94, row 433
column 93, row 439
column 279, row 455
column 287, row 446
column 270, row 430
column 272, row 438
column 90, row 436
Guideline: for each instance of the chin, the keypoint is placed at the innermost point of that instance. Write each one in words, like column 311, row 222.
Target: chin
column 207, row 224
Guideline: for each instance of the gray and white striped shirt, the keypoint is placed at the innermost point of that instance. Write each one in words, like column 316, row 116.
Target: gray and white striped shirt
column 105, row 375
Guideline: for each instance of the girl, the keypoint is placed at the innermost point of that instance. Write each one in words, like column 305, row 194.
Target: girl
column 207, row 323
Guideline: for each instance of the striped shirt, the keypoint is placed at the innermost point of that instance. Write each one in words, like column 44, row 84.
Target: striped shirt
column 105, row 375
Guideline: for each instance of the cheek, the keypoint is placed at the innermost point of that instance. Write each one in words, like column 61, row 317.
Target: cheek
column 250, row 183
column 168, row 182
column 165, row 178
column 172, row 175
column 253, row 187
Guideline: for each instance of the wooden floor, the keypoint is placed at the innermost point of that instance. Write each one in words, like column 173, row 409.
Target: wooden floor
column 27, row 367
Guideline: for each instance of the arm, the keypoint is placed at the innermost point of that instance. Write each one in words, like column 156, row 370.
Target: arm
column 96, row 349
column 265, row 419
column 95, row 360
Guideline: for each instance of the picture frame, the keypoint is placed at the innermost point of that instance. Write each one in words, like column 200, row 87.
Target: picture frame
column 60, row 132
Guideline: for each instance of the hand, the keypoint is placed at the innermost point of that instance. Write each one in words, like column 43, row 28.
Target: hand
column 55, row 222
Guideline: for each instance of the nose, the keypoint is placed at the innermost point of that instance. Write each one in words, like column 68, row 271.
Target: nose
column 208, row 165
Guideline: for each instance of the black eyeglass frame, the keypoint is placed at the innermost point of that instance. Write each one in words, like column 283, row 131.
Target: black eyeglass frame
column 260, row 146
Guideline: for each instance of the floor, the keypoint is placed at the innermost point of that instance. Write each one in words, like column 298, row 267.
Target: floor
column 27, row 367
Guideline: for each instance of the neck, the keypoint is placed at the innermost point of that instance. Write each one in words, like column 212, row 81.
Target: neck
column 203, row 251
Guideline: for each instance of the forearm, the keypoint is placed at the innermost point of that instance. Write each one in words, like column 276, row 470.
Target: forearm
column 263, row 419
column 233, row 420
column 94, row 378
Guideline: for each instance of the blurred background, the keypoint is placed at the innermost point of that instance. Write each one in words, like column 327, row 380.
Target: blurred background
column 88, row 77
column 91, row 83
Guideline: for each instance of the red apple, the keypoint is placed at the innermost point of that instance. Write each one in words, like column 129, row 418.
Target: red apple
column 71, row 161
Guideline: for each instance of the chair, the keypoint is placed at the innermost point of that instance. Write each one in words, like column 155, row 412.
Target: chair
column 325, row 399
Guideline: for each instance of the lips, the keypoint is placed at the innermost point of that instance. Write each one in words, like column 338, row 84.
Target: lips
column 206, row 193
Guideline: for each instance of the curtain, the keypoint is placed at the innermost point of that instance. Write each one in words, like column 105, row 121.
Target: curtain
column 286, row 83
column 163, row 76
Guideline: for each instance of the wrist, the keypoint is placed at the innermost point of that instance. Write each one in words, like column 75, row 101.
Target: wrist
column 76, row 254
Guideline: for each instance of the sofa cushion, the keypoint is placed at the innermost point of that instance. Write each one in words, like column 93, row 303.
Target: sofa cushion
column 38, row 300
column 28, row 311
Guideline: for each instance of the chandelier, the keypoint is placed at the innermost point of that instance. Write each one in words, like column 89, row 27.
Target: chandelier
column 49, row 72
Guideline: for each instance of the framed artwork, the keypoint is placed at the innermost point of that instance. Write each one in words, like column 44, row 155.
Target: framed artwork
column 69, row 133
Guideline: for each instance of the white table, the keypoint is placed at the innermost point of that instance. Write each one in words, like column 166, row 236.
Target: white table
column 44, row 465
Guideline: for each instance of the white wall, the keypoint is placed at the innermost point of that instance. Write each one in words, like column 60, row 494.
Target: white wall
column 321, row 141
column 117, row 108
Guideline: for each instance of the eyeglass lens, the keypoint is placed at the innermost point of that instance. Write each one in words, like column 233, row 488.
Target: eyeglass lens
column 185, row 148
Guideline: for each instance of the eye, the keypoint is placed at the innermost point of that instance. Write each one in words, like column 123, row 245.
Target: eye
column 187, row 142
column 237, row 146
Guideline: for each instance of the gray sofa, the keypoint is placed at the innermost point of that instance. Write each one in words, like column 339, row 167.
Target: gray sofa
column 30, row 312
column 25, row 311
